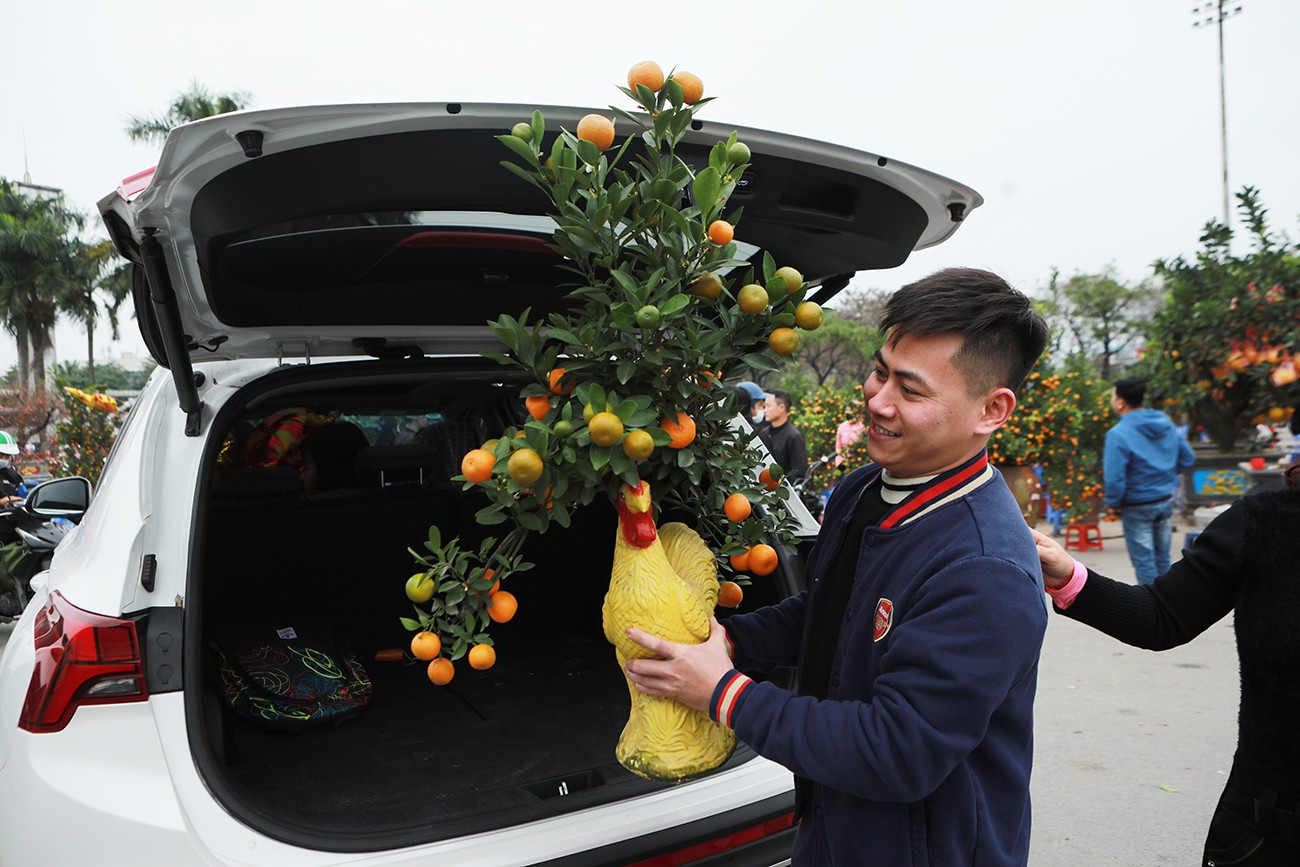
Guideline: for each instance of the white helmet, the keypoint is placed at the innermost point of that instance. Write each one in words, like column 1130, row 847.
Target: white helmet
column 8, row 445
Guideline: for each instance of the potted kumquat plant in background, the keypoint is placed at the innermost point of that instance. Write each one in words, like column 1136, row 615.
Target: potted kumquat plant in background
column 1059, row 424
column 628, row 402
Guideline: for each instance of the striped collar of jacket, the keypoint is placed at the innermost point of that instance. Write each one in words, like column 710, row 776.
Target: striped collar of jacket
column 942, row 489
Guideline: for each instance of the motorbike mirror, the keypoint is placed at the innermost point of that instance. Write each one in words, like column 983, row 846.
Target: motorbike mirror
column 59, row 498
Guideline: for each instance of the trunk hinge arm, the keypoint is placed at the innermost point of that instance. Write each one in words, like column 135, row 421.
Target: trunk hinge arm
column 168, row 314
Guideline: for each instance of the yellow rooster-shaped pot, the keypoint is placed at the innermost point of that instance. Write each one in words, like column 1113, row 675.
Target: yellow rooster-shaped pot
column 665, row 581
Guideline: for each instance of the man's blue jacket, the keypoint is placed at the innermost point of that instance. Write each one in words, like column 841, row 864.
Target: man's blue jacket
column 1144, row 455
column 921, row 752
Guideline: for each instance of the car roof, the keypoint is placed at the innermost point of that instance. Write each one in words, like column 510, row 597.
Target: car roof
column 333, row 230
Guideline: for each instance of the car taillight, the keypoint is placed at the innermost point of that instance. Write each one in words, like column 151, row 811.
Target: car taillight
column 734, row 840
column 81, row 658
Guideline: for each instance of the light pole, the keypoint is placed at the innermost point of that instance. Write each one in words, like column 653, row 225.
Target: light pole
column 1216, row 13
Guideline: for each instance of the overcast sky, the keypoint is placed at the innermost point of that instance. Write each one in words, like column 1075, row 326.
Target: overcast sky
column 1090, row 128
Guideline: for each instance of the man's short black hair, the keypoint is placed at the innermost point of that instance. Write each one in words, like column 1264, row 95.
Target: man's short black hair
column 1131, row 391
column 783, row 398
column 1002, row 333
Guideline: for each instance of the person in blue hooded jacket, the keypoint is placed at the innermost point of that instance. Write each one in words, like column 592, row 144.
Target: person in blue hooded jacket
column 910, row 734
column 1143, row 456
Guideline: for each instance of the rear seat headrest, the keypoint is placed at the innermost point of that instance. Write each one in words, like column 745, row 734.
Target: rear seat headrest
column 277, row 481
column 385, row 466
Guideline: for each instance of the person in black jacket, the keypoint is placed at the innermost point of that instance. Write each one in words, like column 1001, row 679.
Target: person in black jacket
column 1246, row 561
column 784, row 441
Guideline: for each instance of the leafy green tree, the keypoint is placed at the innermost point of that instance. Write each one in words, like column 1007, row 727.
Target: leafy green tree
column 40, row 258
column 107, row 377
column 1100, row 315
column 84, row 436
column 193, row 104
column 99, row 281
column 1224, row 347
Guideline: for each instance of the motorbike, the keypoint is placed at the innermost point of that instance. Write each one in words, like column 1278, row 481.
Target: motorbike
column 812, row 498
column 37, row 525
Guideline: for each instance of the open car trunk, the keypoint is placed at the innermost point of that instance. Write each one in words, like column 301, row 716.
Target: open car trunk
column 533, row 736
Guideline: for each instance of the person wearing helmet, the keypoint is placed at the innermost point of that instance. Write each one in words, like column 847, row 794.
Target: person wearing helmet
column 12, row 489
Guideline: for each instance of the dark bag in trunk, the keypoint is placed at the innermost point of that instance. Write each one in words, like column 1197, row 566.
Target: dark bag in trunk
column 290, row 675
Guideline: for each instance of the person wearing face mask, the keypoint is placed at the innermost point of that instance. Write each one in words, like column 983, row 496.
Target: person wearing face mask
column 12, row 487
column 753, row 400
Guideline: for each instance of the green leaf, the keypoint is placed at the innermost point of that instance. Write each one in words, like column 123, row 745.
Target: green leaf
column 769, row 268
column 643, row 418
column 660, row 436
column 618, row 461
column 663, row 190
column 625, row 369
column 530, row 521
column 676, row 95
column 626, row 409
column 589, row 153
column 705, row 189
column 685, row 457
column 674, row 304
column 520, row 147
column 626, row 282
column 718, row 157
column 759, row 361
column 660, row 127
column 490, row 515
column 523, row 173
column 409, row 624
column 600, row 457
column 539, row 128
column 775, row 287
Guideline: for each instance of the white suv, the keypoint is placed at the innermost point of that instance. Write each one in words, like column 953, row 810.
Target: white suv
column 344, row 262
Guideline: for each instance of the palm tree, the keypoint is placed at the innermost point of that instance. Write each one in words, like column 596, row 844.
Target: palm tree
column 95, row 275
column 37, row 254
column 194, row 104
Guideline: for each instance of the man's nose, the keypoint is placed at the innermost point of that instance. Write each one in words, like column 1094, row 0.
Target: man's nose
column 879, row 403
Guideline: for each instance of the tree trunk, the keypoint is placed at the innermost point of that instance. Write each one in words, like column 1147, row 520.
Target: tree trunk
column 90, row 353
column 24, row 357
column 40, row 341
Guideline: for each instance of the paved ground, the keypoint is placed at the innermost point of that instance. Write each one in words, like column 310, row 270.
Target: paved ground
column 1133, row 747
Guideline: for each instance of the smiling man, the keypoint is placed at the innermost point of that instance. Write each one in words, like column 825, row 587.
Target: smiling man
column 911, row 734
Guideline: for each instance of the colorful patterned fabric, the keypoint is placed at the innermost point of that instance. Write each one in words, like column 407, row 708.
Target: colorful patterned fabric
column 290, row 676
column 276, row 440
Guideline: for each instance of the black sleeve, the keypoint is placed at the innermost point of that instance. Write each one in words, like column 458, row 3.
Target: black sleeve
column 1193, row 595
column 798, row 455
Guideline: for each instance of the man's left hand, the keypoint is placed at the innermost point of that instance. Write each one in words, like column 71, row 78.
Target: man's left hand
column 685, row 672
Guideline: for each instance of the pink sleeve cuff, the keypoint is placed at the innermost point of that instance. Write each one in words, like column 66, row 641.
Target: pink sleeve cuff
column 1064, row 595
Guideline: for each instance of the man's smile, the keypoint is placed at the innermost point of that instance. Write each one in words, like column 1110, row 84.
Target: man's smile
column 884, row 432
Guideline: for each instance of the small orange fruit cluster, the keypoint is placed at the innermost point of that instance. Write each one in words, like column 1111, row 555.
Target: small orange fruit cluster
column 599, row 130
column 759, row 559
column 427, row 646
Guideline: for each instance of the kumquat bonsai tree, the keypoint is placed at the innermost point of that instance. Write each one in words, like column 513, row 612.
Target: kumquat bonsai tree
column 627, row 402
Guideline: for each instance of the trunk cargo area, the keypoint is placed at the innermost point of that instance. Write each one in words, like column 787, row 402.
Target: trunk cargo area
column 531, row 737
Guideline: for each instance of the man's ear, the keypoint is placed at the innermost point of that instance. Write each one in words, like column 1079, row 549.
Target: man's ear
column 997, row 409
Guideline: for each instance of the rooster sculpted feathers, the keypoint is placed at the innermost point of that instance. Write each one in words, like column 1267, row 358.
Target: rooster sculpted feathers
column 664, row 581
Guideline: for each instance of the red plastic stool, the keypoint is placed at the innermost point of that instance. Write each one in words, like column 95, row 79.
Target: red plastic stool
column 1083, row 537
